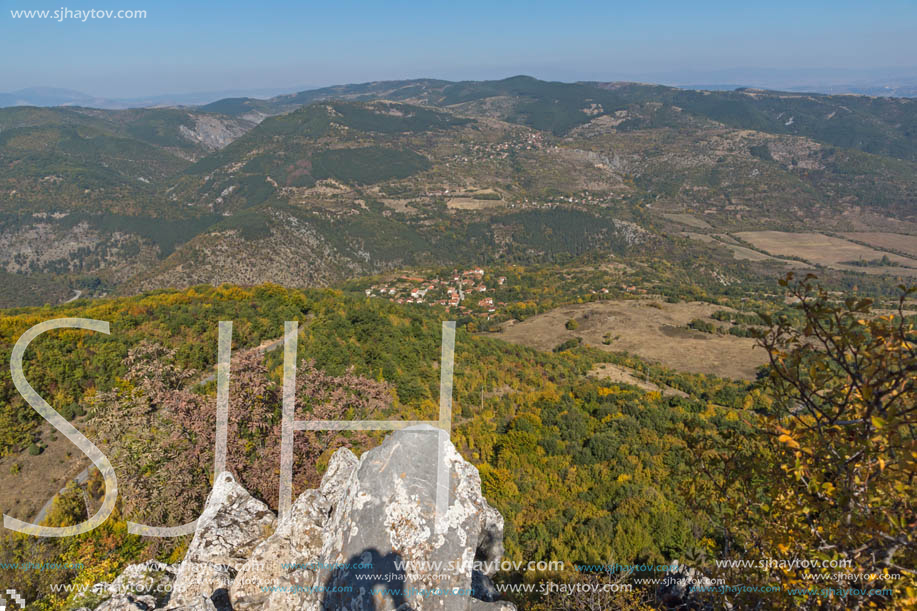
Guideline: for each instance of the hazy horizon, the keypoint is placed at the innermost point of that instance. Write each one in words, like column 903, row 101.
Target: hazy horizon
column 281, row 45
column 812, row 79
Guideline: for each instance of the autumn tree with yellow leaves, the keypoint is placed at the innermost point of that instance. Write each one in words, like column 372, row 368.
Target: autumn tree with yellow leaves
column 828, row 474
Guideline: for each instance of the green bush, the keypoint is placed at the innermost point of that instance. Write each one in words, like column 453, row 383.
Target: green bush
column 569, row 344
column 71, row 411
column 702, row 325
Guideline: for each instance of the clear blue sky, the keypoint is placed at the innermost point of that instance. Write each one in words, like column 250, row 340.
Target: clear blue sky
column 206, row 46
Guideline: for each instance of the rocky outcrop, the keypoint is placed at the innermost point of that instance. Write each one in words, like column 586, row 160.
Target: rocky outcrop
column 384, row 534
column 394, row 529
column 128, row 602
column 279, row 575
column 229, row 530
column 212, row 132
column 678, row 589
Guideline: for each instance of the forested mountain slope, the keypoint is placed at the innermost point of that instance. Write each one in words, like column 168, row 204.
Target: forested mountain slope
column 365, row 178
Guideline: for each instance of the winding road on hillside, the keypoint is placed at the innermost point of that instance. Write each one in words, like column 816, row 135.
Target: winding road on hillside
column 76, row 295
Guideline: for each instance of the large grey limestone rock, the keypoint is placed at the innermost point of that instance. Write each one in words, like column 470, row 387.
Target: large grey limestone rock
column 386, row 536
column 280, row 572
column 229, row 530
column 372, row 537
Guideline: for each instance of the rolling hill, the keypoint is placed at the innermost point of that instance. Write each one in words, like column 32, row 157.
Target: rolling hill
column 363, row 178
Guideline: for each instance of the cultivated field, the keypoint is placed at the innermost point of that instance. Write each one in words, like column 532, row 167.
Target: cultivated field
column 468, row 203
column 739, row 252
column 688, row 219
column 825, row 250
column 649, row 328
column 886, row 241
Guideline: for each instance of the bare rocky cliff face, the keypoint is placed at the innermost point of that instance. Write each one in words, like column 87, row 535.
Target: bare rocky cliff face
column 368, row 539
column 213, row 132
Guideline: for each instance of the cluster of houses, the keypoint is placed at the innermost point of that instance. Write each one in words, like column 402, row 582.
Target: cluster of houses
column 463, row 291
column 585, row 199
column 499, row 150
column 470, row 292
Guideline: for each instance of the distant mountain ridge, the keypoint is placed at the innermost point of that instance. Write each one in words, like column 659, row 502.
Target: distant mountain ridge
column 887, row 83
column 363, row 178
column 52, row 96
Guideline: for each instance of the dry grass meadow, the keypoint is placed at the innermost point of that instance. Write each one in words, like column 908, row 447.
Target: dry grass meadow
column 649, row 328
